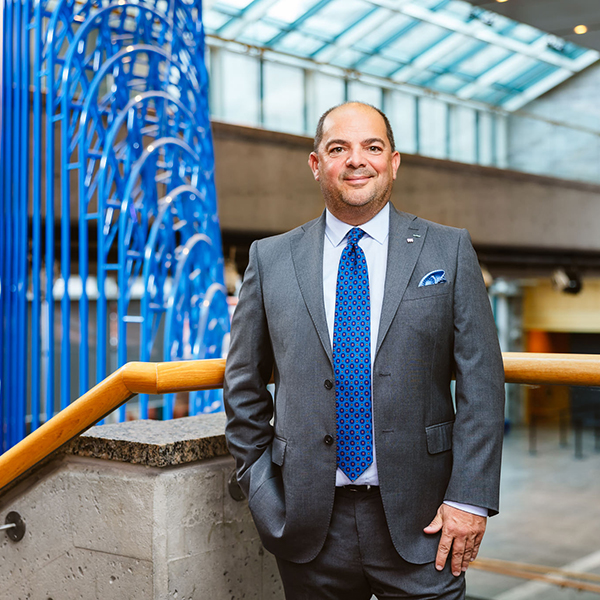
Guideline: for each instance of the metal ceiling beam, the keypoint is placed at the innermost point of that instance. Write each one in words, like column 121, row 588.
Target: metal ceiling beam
column 536, row 90
column 395, row 36
column 283, row 57
column 350, row 36
column 252, row 13
column 429, row 57
column 451, row 68
column 474, row 29
column 388, row 84
column 389, row 40
column 505, row 67
column 478, row 30
column 511, row 63
column 293, row 26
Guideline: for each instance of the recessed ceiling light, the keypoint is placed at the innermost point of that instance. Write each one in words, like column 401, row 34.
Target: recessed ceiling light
column 500, row 0
column 580, row 29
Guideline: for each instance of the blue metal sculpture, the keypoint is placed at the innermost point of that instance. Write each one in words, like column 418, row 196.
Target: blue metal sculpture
column 122, row 87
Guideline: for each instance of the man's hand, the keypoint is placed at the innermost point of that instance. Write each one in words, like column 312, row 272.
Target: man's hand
column 462, row 532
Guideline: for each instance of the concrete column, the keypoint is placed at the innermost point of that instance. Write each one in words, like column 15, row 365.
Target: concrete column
column 136, row 510
column 507, row 300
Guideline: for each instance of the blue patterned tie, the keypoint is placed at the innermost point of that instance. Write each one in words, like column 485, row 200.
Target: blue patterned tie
column 352, row 360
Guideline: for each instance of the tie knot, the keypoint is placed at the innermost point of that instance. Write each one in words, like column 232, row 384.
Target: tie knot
column 355, row 235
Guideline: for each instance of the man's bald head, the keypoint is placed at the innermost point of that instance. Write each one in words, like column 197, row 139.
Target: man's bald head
column 320, row 124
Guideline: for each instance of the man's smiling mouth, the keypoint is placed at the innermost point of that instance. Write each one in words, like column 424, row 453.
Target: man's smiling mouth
column 357, row 180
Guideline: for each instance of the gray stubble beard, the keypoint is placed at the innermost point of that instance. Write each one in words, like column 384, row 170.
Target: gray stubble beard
column 338, row 198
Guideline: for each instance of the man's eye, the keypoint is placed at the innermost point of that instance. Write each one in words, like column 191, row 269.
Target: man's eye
column 336, row 150
column 374, row 149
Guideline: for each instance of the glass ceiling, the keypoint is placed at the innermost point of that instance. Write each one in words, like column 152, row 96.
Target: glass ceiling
column 447, row 46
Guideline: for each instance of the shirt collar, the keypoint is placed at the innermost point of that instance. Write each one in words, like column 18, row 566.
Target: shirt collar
column 377, row 228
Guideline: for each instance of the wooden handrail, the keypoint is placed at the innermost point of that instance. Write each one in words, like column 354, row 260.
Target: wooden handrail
column 131, row 379
column 556, row 369
column 170, row 377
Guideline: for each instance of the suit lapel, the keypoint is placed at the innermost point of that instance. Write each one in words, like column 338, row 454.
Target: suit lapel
column 402, row 258
column 307, row 255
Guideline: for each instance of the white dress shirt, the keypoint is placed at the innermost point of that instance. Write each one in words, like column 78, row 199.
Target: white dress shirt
column 375, row 246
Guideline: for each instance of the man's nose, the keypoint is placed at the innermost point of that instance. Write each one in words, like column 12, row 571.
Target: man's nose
column 355, row 158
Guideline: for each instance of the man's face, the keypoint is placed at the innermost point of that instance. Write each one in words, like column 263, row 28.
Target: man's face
column 354, row 164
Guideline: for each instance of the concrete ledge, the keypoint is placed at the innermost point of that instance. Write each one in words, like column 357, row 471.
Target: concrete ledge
column 136, row 510
column 155, row 443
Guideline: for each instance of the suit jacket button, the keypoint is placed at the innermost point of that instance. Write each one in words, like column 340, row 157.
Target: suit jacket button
column 328, row 385
column 328, row 440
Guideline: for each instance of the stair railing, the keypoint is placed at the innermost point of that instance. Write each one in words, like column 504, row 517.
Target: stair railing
column 171, row 377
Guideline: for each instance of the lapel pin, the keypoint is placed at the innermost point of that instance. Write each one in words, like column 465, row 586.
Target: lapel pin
column 416, row 235
column 410, row 240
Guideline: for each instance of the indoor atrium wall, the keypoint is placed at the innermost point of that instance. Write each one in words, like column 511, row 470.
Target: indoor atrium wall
column 571, row 150
column 265, row 186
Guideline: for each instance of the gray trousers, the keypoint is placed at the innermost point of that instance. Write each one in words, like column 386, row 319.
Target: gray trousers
column 359, row 560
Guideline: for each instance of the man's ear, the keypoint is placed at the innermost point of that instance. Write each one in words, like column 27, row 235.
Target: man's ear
column 313, row 163
column 396, row 159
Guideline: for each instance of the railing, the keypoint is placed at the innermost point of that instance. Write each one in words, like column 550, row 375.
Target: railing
column 131, row 379
column 170, row 377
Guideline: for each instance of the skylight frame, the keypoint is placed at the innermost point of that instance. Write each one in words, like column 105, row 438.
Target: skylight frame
column 513, row 92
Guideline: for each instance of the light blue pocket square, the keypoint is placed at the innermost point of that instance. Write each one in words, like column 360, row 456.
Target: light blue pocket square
column 433, row 278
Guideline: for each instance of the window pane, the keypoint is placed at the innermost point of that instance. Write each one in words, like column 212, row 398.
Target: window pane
column 362, row 92
column 486, row 138
column 336, row 17
column 482, row 61
column 213, row 20
column 419, row 39
column 447, row 83
column 382, row 67
column 402, row 114
column 241, row 91
column 207, row 59
column 287, row 11
column 239, row 4
column 462, row 134
column 257, row 33
column 432, row 127
column 325, row 92
column 347, row 58
column 283, row 98
column 501, row 141
column 383, row 31
column 298, row 44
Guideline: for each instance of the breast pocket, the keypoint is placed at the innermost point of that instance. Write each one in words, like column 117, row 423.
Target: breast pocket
column 427, row 291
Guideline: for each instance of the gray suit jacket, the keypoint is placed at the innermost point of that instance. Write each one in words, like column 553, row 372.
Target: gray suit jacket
column 426, row 450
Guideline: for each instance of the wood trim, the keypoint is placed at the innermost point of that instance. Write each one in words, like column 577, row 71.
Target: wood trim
column 557, row 369
column 170, row 377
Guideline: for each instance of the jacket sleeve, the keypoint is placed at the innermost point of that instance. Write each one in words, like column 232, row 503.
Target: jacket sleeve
column 479, row 422
column 248, row 403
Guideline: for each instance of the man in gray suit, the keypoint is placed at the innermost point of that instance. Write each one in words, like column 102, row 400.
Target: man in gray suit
column 371, row 491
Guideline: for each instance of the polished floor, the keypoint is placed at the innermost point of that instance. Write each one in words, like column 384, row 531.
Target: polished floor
column 549, row 515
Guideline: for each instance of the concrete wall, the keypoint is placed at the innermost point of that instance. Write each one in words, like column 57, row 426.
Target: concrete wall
column 109, row 530
column 264, row 185
column 541, row 147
